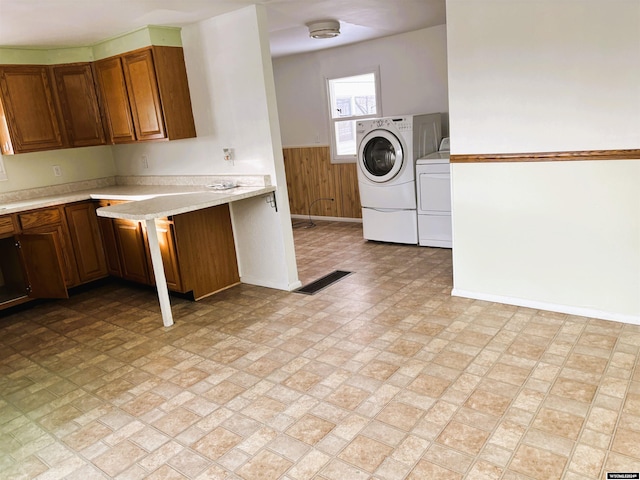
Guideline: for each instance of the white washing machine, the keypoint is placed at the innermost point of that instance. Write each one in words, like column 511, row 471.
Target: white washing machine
column 387, row 152
column 433, row 181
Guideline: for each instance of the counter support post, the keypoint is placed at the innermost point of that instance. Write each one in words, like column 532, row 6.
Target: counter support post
column 158, row 270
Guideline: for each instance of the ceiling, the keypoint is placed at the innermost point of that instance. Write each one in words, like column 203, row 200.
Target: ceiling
column 71, row 23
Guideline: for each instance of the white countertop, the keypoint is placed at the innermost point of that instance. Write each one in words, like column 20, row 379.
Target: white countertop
column 173, row 203
column 40, row 202
column 165, row 199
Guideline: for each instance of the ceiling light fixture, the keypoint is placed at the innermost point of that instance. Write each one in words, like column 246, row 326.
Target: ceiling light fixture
column 324, row 29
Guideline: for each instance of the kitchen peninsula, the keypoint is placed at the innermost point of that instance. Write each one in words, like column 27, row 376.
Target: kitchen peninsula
column 63, row 240
column 151, row 210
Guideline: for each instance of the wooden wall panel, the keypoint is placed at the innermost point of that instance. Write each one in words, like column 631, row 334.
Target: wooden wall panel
column 297, row 179
column 322, row 185
column 311, row 177
column 349, row 198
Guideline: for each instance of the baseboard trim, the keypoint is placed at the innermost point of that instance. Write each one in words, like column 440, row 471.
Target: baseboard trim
column 261, row 282
column 552, row 307
column 327, row 219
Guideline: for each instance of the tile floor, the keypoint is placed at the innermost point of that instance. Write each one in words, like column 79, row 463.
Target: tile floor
column 381, row 376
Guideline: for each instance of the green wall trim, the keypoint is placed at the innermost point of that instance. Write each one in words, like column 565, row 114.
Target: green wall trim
column 142, row 37
column 165, row 36
column 139, row 38
column 43, row 56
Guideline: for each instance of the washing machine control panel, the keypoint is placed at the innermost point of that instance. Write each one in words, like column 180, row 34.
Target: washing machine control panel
column 400, row 123
column 391, row 123
column 403, row 124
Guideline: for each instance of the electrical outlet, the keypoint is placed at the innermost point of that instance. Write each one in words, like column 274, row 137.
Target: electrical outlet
column 57, row 171
column 3, row 172
column 144, row 160
column 228, row 154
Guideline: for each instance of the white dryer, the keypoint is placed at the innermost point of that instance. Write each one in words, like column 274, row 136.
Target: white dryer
column 433, row 180
column 387, row 152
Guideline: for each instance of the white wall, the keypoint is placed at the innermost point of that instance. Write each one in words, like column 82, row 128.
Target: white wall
column 413, row 78
column 226, row 76
column 34, row 170
column 234, row 105
column 233, row 97
column 537, row 76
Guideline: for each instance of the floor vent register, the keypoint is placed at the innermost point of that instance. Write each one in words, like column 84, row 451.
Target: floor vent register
column 322, row 283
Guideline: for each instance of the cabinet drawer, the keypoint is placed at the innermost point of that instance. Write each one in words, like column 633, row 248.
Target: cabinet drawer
column 109, row 203
column 40, row 218
column 6, row 225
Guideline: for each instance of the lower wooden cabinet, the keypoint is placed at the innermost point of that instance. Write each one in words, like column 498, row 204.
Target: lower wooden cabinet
column 206, row 250
column 41, row 255
column 51, row 220
column 45, row 251
column 32, row 264
column 85, row 239
column 110, row 245
column 167, row 241
column 197, row 248
column 13, row 284
column 131, row 245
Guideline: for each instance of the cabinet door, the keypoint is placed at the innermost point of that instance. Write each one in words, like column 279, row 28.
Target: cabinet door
column 13, row 286
column 132, row 250
column 31, row 122
column 79, row 104
column 109, row 241
column 206, row 270
column 166, row 239
column 110, row 245
column 52, row 220
column 7, row 226
column 174, row 92
column 85, row 237
column 42, row 258
column 144, row 96
column 114, row 98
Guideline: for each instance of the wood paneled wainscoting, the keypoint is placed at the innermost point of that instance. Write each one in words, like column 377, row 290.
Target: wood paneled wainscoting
column 311, row 176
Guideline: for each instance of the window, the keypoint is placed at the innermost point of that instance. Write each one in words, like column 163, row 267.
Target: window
column 350, row 99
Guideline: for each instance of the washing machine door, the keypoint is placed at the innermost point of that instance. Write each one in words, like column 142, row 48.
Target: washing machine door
column 380, row 155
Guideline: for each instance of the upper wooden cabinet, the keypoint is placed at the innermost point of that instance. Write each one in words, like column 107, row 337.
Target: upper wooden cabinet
column 29, row 119
column 114, row 99
column 141, row 95
column 79, row 104
column 145, row 95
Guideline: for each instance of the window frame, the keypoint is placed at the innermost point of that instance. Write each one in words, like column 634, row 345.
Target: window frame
column 350, row 158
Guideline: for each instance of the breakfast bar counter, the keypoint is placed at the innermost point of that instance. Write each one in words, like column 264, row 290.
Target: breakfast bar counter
column 166, row 203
